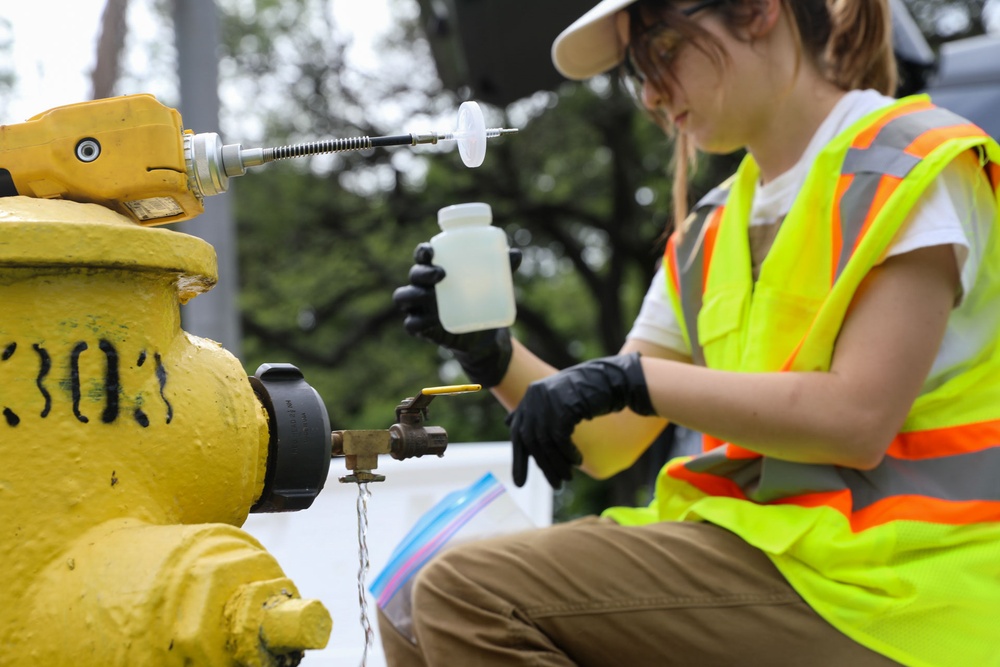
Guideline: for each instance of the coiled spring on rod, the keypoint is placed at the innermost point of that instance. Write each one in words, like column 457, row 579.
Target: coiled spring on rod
column 317, row 147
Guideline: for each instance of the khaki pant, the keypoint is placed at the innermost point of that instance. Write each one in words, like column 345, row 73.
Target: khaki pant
column 594, row 593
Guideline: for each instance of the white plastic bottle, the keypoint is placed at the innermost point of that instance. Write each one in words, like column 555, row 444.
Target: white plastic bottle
column 477, row 291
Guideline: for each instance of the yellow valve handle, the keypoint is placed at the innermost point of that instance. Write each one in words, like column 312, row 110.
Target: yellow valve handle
column 451, row 389
column 426, row 395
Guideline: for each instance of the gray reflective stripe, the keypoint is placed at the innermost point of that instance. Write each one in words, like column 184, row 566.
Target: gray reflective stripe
column 880, row 160
column 690, row 256
column 959, row 477
column 884, row 156
column 715, row 197
column 854, row 208
column 900, row 132
column 745, row 473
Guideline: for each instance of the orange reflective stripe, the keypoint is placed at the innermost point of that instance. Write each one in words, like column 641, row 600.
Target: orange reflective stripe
column 928, row 510
column 708, row 247
column 945, row 441
column 709, row 442
column 787, row 366
column 993, row 171
column 838, row 500
column 670, row 257
column 897, row 491
column 688, row 257
column 865, row 138
column 884, row 493
column 737, row 452
column 901, row 508
column 923, row 145
column 895, row 508
column 713, row 485
column 887, row 185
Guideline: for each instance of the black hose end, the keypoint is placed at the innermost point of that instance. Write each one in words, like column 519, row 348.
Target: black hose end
column 298, row 459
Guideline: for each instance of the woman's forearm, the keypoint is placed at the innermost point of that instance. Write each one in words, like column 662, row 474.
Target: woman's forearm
column 525, row 367
column 803, row 417
column 848, row 415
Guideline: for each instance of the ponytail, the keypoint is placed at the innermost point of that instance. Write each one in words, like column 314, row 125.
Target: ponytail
column 851, row 40
column 859, row 52
column 685, row 160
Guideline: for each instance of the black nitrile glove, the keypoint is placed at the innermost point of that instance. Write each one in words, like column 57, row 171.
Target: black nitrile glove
column 543, row 422
column 483, row 355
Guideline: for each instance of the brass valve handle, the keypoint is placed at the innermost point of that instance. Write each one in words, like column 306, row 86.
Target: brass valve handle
column 407, row 438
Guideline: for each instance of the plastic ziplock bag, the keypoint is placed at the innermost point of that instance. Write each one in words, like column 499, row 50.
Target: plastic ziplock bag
column 484, row 509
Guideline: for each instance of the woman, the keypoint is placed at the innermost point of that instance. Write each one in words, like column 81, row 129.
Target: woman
column 827, row 317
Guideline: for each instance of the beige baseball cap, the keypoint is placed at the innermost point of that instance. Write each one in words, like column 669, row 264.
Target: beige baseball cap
column 590, row 45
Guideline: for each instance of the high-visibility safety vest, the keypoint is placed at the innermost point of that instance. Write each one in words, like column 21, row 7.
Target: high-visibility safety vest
column 904, row 558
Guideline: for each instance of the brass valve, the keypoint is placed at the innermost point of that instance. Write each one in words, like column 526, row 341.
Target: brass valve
column 407, row 438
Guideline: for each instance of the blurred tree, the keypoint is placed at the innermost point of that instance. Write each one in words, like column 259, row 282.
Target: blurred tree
column 110, row 44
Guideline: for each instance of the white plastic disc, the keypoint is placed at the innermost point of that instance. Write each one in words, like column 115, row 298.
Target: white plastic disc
column 471, row 134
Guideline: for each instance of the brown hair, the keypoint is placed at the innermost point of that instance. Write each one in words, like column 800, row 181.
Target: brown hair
column 849, row 41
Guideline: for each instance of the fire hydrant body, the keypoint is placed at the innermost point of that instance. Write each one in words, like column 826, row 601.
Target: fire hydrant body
column 131, row 454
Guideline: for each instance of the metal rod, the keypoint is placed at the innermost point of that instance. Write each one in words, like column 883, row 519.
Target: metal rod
column 255, row 156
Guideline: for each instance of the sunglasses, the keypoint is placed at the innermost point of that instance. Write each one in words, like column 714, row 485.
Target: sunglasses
column 659, row 43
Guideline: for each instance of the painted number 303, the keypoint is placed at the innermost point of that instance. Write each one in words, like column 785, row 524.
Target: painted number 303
column 53, row 386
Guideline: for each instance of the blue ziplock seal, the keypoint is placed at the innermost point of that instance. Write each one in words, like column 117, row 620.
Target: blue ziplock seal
column 431, row 533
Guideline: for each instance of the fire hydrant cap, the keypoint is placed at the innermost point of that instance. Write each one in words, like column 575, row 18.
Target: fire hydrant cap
column 296, row 624
column 55, row 232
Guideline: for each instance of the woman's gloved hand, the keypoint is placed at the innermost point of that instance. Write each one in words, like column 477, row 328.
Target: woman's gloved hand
column 483, row 355
column 542, row 425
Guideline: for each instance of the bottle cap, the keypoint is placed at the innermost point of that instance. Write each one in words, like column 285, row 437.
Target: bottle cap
column 464, row 214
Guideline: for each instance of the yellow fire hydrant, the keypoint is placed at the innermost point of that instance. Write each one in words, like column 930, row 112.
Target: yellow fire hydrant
column 131, row 454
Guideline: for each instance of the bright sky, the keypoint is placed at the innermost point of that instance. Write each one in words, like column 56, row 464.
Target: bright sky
column 52, row 58
column 55, row 41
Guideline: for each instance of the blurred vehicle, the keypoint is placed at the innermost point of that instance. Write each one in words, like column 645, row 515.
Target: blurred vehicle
column 967, row 80
column 963, row 76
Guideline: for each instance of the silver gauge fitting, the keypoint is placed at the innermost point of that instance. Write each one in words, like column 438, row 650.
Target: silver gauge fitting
column 210, row 163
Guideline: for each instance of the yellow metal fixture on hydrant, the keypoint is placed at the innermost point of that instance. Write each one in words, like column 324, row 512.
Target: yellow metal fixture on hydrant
column 131, row 454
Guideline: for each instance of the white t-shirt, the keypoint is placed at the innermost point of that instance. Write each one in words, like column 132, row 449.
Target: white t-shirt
column 957, row 208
